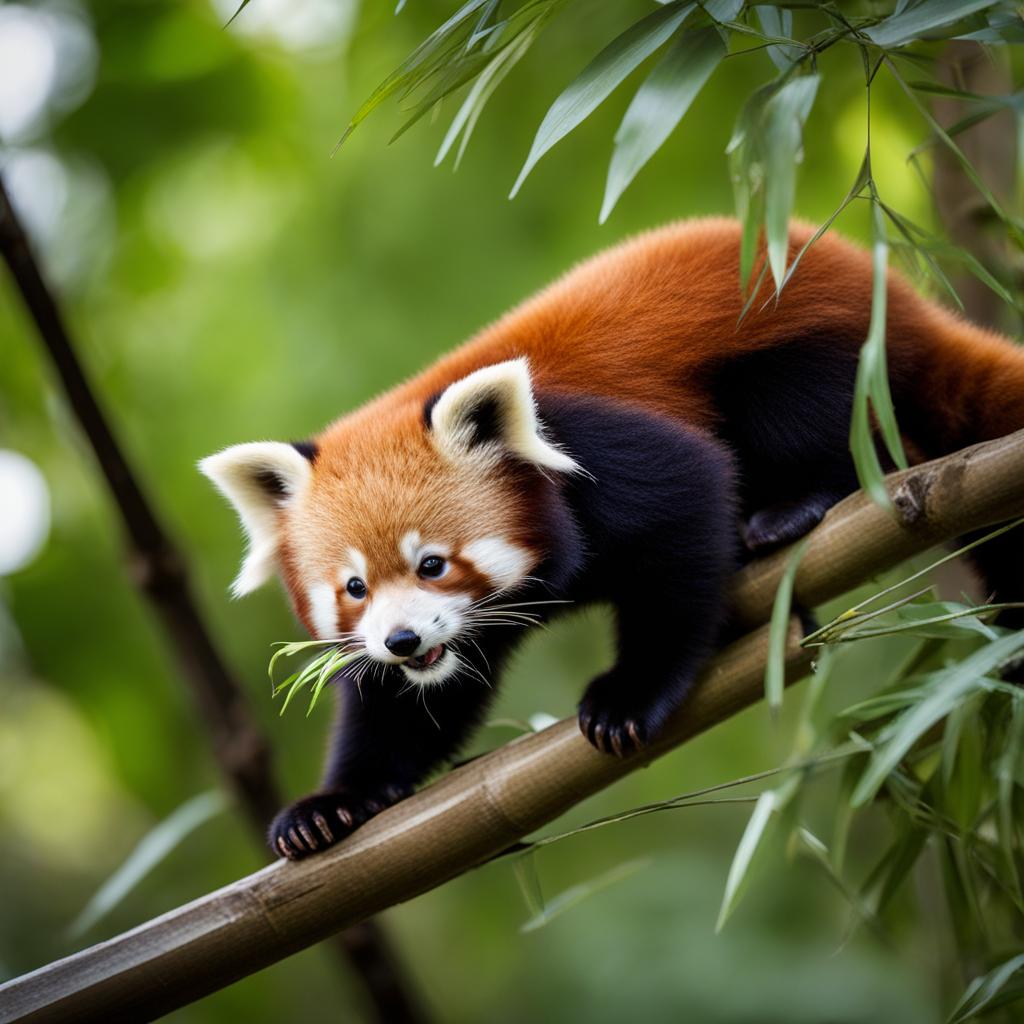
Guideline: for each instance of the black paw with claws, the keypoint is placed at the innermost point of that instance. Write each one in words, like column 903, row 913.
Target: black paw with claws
column 772, row 527
column 323, row 819
column 611, row 720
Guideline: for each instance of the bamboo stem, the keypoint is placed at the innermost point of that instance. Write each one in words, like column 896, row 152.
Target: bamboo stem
column 484, row 807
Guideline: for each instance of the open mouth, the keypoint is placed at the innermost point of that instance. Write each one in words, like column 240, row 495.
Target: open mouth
column 426, row 659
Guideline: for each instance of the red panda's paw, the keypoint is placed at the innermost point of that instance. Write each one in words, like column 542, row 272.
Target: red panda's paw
column 323, row 819
column 609, row 720
column 772, row 527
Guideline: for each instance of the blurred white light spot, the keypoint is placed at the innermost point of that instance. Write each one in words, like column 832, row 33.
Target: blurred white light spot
column 38, row 185
column 47, row 60
column 67, row 209
column 24, row 511
column 295, row 24
column 28, row 60
column 217, row 199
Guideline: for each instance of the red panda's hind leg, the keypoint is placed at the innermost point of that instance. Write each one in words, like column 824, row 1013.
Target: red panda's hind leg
column 777, row 525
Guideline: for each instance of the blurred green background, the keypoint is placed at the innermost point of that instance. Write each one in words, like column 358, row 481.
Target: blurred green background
column 227, row 280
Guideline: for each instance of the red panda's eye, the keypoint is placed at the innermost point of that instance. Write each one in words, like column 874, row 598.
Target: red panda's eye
column 432, row 566
column 356, row 587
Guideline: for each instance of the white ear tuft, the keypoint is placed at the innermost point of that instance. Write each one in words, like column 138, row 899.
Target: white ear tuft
column 259, row 479
column 494, row 407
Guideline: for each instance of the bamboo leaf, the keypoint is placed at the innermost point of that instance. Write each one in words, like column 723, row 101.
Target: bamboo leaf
column 1003, row 984
column 924, row 18
column 845, row 812
column 659, row 105
column 856, row 610
column 600, row 77
column 775, row 666
column 525, row 870
column 483, row 88
column 154, row 847
column 768, row 803
column 947, row 689
column 785, row 115
column 806, row 730
column 855, row 190
column 871, row 393
column 1014, row 226
column 778, row 21
column 896, row 863
column 576, row 894
column 1003, row 27
column 956, row 622
column 238, row 10
column 810, row 845
column 723, row 10
column 746, row 171
column 962, row 770
column 1007, row 768
column 751, row 839
column 411, row 68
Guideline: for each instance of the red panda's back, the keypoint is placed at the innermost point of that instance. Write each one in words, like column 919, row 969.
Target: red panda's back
column 650, row 320
column 647, row 320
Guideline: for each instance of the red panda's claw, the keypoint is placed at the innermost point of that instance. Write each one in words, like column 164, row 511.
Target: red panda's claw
column 323, row 819
column 607, row 720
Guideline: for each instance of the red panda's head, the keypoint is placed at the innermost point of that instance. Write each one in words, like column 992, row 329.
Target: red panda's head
column 404, row 519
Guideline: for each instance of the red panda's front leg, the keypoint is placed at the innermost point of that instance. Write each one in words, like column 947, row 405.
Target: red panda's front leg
column 669, row 606
column 658, row 514
column 388, row 737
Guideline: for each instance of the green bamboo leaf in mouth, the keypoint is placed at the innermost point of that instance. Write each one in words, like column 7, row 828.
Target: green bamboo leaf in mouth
column 316, row 673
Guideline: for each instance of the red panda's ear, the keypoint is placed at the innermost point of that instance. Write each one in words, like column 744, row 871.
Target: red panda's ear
column 490, row 410
column 259, row 479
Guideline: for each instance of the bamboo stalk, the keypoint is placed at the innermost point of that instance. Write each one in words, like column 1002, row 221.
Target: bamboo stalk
column 482, row 808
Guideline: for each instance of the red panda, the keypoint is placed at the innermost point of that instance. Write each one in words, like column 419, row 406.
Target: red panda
column 611, row 439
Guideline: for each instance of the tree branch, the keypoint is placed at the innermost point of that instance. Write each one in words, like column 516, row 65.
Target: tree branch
column 239, row 746
column 484, row 807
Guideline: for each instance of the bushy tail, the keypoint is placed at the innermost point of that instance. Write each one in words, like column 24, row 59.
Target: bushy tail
column 966, row 385
column 960, row 384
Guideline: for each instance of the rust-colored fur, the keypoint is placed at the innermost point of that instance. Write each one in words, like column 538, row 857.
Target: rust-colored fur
column 611, row 439
column 648, row 322
column 644, row 322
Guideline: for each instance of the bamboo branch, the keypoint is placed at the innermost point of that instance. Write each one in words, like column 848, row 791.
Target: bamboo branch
column 238, row 744
column 484, row 807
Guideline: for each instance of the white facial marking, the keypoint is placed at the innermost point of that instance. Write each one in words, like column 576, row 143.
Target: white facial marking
column 354, row 566
column 323, row 610
column 409, row 546
column 414, row 549
column 435, row 618
column 504, row 563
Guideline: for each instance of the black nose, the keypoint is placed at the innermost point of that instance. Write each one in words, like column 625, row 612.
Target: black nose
column 402, row 642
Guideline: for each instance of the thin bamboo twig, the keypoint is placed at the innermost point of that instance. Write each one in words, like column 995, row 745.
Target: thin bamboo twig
column 487, row 805
column 239, row 746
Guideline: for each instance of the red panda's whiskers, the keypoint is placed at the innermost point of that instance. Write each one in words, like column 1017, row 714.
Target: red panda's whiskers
column 506, row 617
column 468, row 665
column 481, row 650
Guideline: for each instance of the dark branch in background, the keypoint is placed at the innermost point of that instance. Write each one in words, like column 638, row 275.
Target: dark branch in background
column 239, row 746
column 485, row 807
column 991, row 147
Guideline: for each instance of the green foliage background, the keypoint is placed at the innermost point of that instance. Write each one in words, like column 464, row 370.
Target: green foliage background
column 228, row 281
